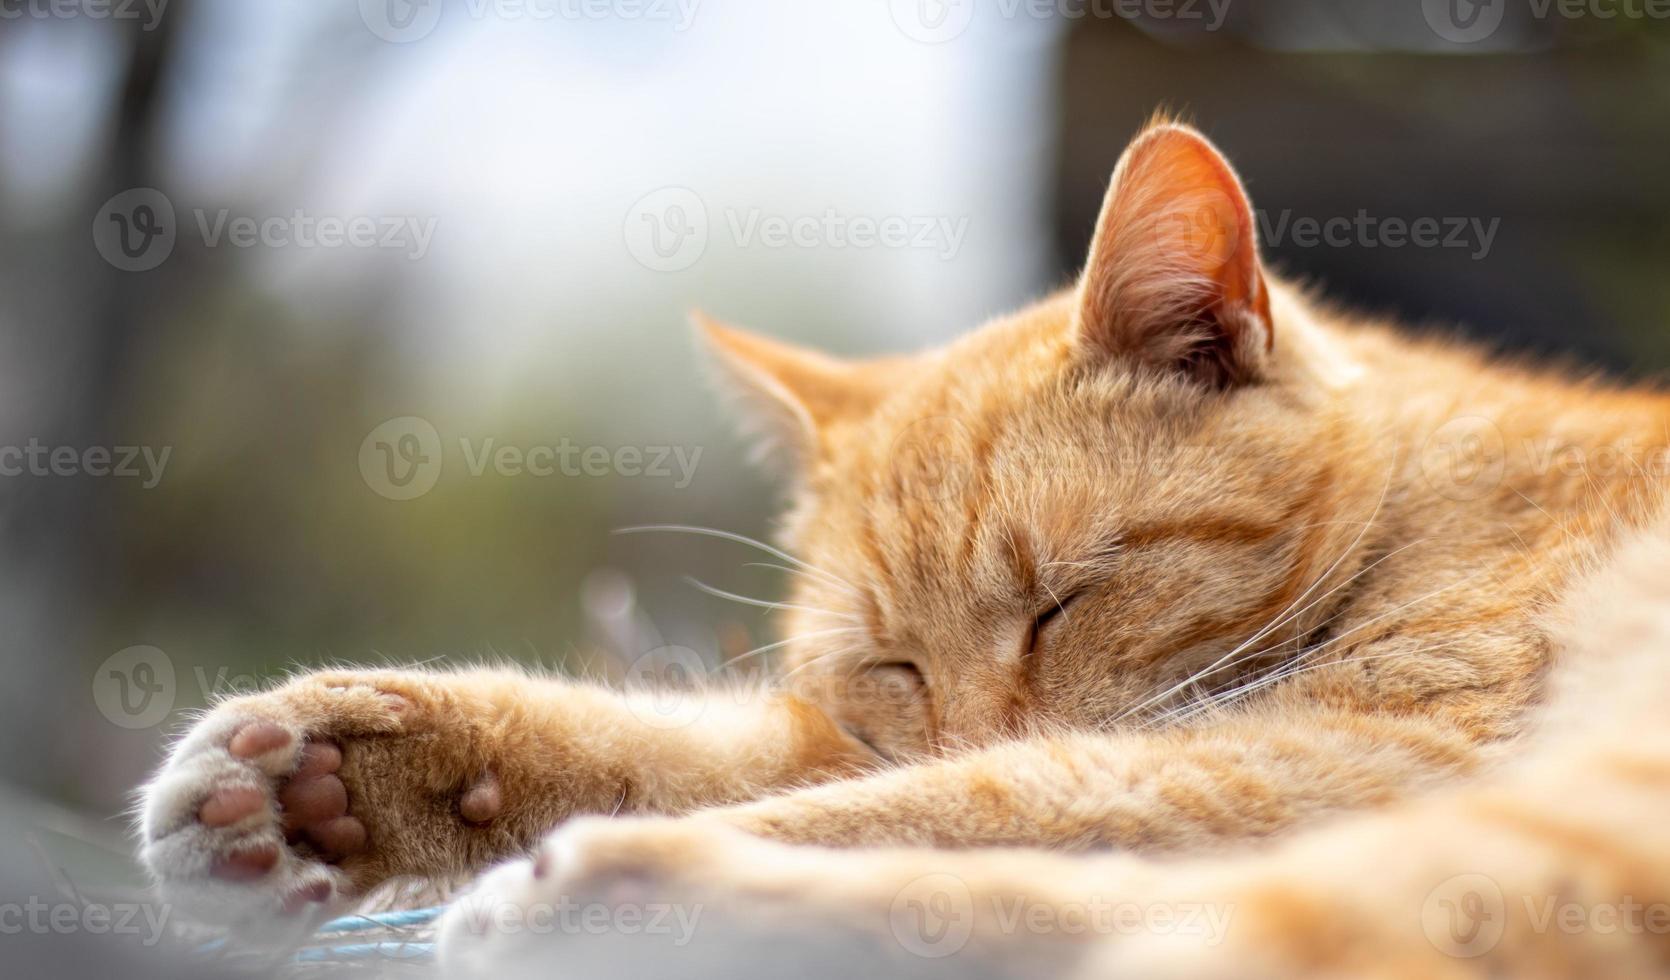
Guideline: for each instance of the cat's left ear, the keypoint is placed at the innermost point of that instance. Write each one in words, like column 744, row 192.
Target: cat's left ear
column 1173, row 278
column 791, row 397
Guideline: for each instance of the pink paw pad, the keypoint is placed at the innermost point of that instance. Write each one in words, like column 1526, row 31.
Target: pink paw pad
column 230, row 805
column 307, row 898
column 312, row 804
column 257, row 739
column 245, row 865
column 482, row 801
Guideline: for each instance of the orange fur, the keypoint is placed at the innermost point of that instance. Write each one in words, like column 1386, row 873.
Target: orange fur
column 1175, row 560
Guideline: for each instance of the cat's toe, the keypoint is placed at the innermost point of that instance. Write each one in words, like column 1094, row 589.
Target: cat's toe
column 260, row 740
column 244, row 864
column 230, row 805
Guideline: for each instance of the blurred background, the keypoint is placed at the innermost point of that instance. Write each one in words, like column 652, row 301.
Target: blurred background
column 348, row 332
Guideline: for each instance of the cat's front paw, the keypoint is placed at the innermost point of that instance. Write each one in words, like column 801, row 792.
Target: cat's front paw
column 279, row 801
column 687, row 897
column 600, row 894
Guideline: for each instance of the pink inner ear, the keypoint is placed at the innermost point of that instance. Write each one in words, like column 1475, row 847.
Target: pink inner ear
column 1173, row 276
column 1202, row 216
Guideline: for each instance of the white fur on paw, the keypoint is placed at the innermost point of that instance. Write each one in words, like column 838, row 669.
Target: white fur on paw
column 484, row 930
column 593, row 900
column 182, row 853
column 515, row 916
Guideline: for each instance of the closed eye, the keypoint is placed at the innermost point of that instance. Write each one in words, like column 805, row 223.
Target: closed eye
column 1043, row 619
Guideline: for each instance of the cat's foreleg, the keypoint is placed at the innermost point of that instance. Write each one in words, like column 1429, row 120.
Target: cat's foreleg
column 1250, row 775
column 1562, row 870
column 1554, row 863
column 338, row 780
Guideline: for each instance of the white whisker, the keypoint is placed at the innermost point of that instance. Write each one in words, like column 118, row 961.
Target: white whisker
column 820, row 658
column 1331, row 641
column 1256, row 654
column 796, row 571
column 1287, row 615
column 1058, row 605
column 765, row 603
column 793, row 639
column 1286, row 671
column 711, row 532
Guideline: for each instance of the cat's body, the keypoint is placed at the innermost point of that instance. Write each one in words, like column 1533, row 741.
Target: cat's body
column 1168, row 563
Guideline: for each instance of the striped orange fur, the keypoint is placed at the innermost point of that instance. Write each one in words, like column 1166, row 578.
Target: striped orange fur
column 1268, row 607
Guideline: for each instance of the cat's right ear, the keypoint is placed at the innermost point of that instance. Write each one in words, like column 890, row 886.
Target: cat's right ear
column 1173, row 279
column 790, row 397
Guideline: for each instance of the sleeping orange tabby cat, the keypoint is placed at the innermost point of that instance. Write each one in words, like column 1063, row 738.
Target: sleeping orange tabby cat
column 1173, row 591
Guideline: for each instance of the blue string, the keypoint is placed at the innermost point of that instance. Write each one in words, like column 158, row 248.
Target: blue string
column 397, row 950
column 394, row 920
column 367, row 951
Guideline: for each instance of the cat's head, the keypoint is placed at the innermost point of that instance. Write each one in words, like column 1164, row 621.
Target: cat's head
column 1061, row 515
